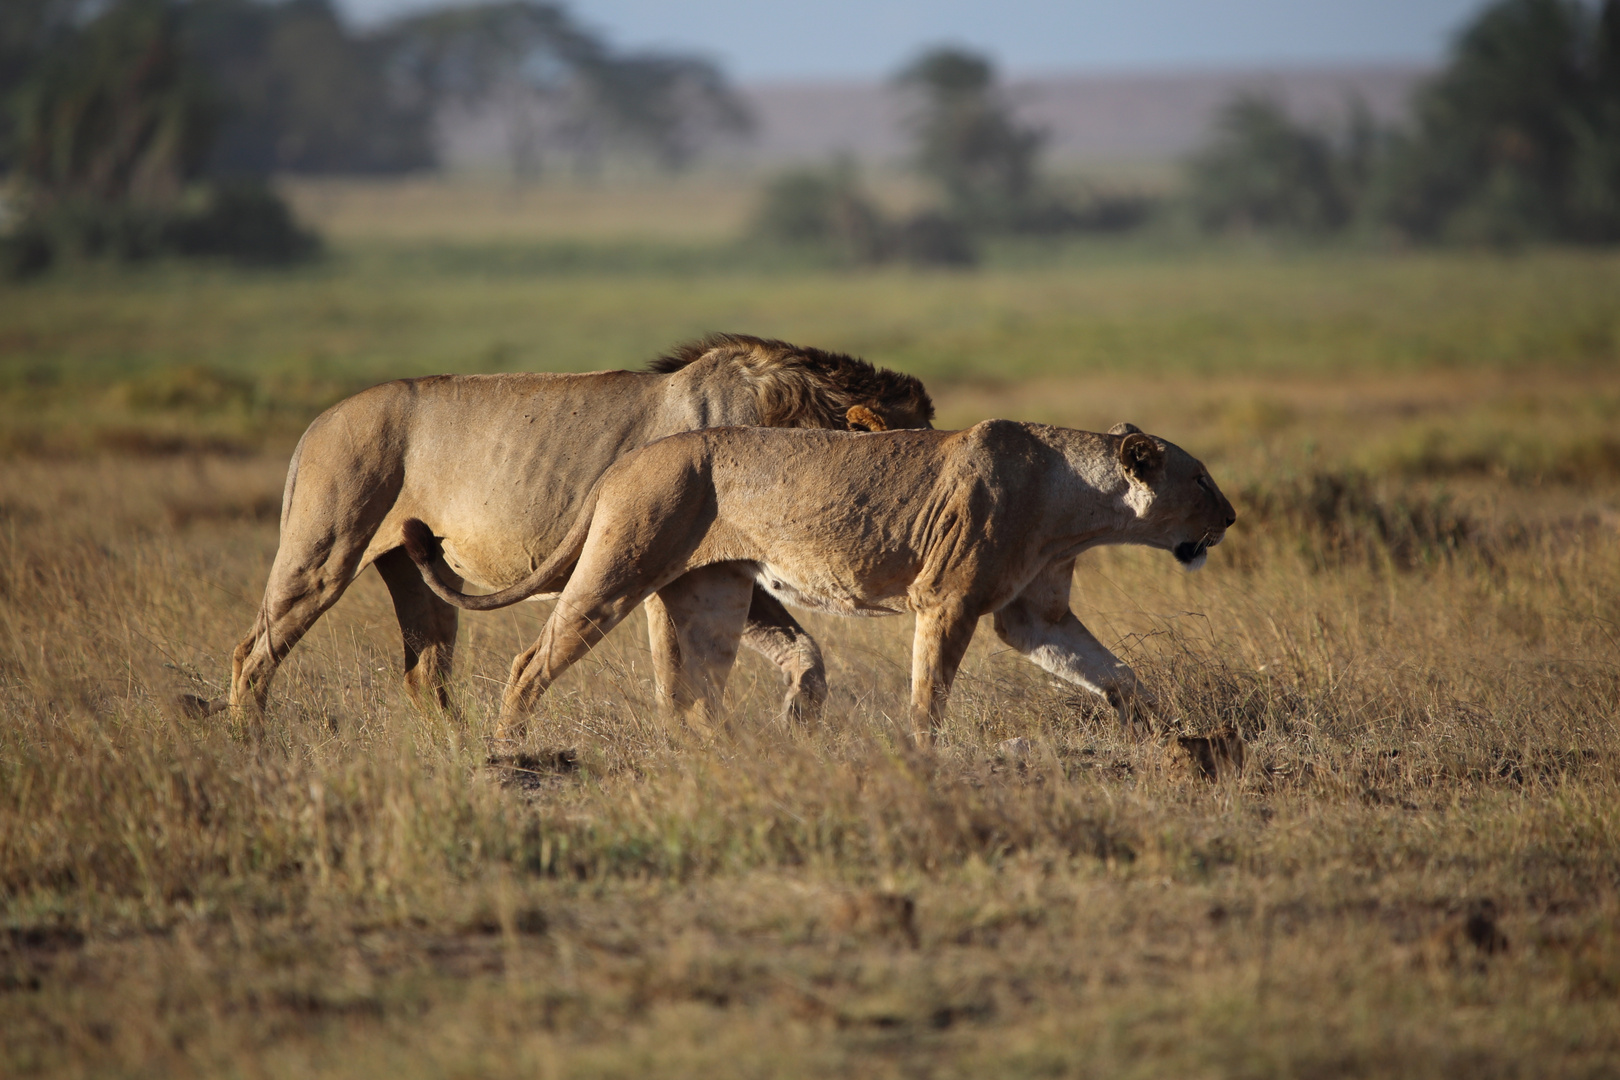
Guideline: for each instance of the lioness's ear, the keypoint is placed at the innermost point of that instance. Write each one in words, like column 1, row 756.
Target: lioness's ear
column 1141, row 457
column 1124, row 427
column 860, row 418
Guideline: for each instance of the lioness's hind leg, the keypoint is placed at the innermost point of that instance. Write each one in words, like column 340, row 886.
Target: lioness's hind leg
column 644, row 528
column 427, row 628
column 774, row 633
column 577, row 623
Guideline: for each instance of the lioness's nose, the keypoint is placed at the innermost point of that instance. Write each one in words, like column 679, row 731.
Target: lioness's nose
column 1231, row 518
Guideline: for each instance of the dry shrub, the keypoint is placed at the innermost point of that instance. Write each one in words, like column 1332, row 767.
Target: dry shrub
column 1344, row 517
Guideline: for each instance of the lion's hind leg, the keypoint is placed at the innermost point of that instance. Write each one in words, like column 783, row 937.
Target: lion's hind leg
column 305, row 581
column 427, row 628
column 338, row 491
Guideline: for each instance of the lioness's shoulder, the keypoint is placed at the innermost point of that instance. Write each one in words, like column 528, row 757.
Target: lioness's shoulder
column 1001, row 437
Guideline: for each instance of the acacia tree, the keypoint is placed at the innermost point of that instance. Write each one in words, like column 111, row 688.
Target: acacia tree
column 1263, row 170
column 115, row 121
column 115, row 115
column 302, row 92
column 30, row 30
column 967, row 140
column 558, row 89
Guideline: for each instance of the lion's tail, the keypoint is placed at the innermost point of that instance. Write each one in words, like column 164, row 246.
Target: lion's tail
column 549, row 576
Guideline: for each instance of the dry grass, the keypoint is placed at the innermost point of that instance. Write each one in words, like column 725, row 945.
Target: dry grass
column 1415, row 627
column 1416, row 874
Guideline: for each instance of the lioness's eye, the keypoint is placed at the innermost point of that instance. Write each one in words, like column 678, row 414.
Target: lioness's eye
column 1203, row 482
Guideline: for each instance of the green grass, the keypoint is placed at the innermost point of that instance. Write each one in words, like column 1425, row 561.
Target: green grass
column 380, row 311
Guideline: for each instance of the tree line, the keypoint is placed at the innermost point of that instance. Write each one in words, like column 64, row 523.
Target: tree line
column 1516, row 139
column 984, row 166
column 145, row 125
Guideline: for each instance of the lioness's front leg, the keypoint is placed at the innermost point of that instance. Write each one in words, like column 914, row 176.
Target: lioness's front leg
column 937, row 647
column 1039, row 624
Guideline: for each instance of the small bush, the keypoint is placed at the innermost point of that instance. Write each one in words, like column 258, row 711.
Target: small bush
column 823, row 208
column 1344, row 518
column 827, row 210
column 933, row 239
column 245, row 222
column 242, row 221
column 25, row 253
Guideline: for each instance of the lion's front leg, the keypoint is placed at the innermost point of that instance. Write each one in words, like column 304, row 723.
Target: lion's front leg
column 776, row 635
column 695, row 623
column 1040, row 625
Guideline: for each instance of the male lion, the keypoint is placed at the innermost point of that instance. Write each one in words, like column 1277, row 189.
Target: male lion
column 950, row 525
column 501, row 464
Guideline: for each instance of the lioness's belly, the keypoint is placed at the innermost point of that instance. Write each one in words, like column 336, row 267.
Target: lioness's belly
column 829, row 593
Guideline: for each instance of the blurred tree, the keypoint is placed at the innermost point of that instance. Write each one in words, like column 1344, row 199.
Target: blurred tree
column 295, row 90
column 29, row 31
column 114, row 113
column 668, row 106
column 1265, row 171
column 1519, row 137
column 303, row 93
column 967, row 140
column 517, row 58
column 559, row 89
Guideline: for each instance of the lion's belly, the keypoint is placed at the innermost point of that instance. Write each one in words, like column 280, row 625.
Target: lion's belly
column 489, row 551
column 492, row 569
column 828, row 592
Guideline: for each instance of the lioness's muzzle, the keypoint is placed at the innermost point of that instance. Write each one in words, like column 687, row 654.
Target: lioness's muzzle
column 1188, row 550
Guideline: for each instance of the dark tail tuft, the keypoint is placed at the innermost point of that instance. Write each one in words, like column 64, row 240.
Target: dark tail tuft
column 420, row 543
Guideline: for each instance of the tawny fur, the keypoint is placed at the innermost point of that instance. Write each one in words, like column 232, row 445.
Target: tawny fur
column 950, row 526
column 498, row 467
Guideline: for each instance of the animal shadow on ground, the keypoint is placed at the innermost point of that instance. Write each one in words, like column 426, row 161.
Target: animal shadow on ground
column 1215, row 756
column 532, row 772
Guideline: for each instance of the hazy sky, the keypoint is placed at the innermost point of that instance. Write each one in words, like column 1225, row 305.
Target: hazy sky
column 758, row 40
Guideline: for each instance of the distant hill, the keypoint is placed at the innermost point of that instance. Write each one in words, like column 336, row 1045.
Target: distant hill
column 1089, row 118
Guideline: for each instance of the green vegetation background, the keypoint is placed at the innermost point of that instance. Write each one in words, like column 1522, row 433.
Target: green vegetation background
column 246, row 356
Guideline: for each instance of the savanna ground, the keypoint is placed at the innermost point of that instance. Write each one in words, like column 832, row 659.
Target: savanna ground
column 1415, row 625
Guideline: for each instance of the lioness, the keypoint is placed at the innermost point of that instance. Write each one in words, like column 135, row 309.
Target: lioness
column 501, row 465
column 948, row 525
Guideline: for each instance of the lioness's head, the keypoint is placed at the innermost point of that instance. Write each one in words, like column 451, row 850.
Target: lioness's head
column 1174, row 496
